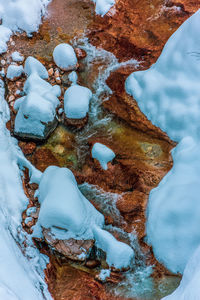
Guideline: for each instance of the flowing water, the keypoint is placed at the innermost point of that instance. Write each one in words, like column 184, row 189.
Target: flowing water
column 71, row 148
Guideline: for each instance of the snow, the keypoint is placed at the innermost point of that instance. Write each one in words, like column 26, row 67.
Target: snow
column 105, row 273
column 189, row 287
column 21, row 273
column 103, row 154
column 19, row 15
column 38, row 107
column 76, row 101
column 73, row 77
column 174, row 208
column 16, row 56
column 33, row 65
column 169, row 92
column 118, row 254
column 14, row 71
column 73, row 216
column 65, row 57
column 103, row 6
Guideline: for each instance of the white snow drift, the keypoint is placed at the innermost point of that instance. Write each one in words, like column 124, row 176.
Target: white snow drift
column 174, row 209
column 189, row 288
column 21, row 274
column 73, row 216
column 38, row 107
column 19, row 15
column 14, row 72
column 76, row 101
column 65, row 57
column 103, row 154
column 169, row 92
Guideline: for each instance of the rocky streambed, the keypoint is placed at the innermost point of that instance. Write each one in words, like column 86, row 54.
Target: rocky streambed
column 129, row 38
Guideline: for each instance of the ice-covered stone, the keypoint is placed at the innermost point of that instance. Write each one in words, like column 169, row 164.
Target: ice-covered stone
column 103, row 154
column 65, row 57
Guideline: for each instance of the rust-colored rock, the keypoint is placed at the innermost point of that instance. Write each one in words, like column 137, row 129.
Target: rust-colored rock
column 77, row 250
column 42, row 158
column 27, row 148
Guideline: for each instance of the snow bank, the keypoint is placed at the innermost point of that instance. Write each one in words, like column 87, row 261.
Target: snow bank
column 14, row 72
column 103, row 6
column 76, row 101
column 73, row 216
column 36, row 116
column 189, row 288
column 65, row 57
column 174, row 208
column 21, row 274
column 103, row 154
column 169, row 92
column 19, row 15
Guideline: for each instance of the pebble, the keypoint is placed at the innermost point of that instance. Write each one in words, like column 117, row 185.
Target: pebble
column 50, row 71
column 11, row 98
column 58, row 80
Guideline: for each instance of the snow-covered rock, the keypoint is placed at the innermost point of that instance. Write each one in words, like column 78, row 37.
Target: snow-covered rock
column 103, row 154
column 169, row 92
column 72, row 216
column 65, row 57
column 14, row 72
column 32, row 65
column 36, row 116
column 76, row 101
column 118, row 254
column 36, row 112
column 17, row 57
column 19, row 15
column 189, row 288
column 103, row 6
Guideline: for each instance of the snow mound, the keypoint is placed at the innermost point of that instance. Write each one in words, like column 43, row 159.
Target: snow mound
column 103, row 6
column 16, row 56
column 14, row 72
column 76, row 101
column 189, row 288
column 169, row 92
column 73, row 216
column 174, row 209
column 33, row 65
column 36, row 116
column 65, row 57
column 21, row 272
column 118, row 254
column 19, row 15
column 103, row 154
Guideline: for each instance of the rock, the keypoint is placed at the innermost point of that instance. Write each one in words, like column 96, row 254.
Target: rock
column 92, row 263
column 11, row 98
column 27, row 148
column 78, row 250
column 80, row 53
column 77, row 123
column 50, row 72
